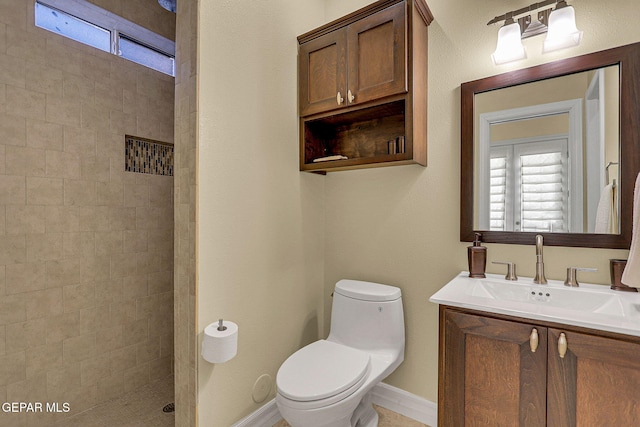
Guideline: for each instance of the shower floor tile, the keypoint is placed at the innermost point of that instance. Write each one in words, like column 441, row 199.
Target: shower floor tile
column 139, row 408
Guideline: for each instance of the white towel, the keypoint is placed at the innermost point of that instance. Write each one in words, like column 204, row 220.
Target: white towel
column 631, row 274
column 606, row 210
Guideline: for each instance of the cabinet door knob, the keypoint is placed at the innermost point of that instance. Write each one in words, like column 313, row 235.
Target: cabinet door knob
column 533, row 340
column 562, row 345
column 339, row 99
column 350, row 96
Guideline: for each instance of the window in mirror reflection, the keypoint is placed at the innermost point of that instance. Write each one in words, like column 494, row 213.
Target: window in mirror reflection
column 542, row 155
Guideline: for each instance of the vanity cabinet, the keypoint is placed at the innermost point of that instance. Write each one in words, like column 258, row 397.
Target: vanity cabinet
column 362, row 84
column 490, row 375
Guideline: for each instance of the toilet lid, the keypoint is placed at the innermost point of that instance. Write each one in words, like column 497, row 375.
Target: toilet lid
column 320, row 370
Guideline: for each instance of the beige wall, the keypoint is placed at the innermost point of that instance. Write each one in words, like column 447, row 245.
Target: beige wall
column 85, row 248
column 272, row 242
column 260, row 235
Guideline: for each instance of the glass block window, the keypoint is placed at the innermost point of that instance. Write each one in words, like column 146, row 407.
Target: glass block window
column 146, row 156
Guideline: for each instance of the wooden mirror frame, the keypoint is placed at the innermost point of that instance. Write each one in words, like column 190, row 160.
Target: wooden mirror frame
column 628, row 59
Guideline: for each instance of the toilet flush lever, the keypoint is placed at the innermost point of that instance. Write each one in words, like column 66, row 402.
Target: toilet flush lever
column 221, row 327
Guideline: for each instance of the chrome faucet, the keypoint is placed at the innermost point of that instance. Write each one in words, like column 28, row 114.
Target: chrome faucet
column 539, row 279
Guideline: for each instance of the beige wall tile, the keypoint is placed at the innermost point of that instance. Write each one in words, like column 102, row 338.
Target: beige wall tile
column 109, row 242
column 81, row 141
column 24, row 335
column 134, row 286
column 109, row 291
column 63, row 111
column 77, row 297
column 122, row 265
column 123, row 312
column 23, row 44
column 136, row 332
column 136, row 195
column 44, row 247
column 25, row 277
column 43, row 79
column 160, row 282
column 62, row 272
column 96, row 168
column 136, row 377
column 92, row 370
column 76, row 88
column 44, row 303
column 148, row 351
column 96, row 319
column 12, row 190
column 44, row 135
column 63, row 56
column 110, row 194
column 12, row 309
column 95, row 117
column 13, row 129
column 63, row 165
column 95, row 269
column 78, row 244
column 122, row 218
column 79, row 192
column 2, row 340
column 12, row 368
column 24, row 161
column 109, row 94
column 44, row 358
column 44, row 191
column 110, row 339
column 135, row 241
column 62, row 219
column 123, row 358
column 94, row 218
column 26, row 103
column 12, row 70
column 77, row 349
column 33, row 389
column 63, row 326
column 2, row 156
column 25, row 219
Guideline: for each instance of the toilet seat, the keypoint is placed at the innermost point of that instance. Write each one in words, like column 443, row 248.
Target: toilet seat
column 322, row 371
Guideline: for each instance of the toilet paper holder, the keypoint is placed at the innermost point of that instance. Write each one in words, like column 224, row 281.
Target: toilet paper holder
column 221, row 327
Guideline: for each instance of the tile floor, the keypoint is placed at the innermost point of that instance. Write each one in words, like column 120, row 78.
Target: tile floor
column 387, row 419
column 139, row 408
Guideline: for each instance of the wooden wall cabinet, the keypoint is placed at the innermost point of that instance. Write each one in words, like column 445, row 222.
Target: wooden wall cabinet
column 363, row 83
column 489, row 374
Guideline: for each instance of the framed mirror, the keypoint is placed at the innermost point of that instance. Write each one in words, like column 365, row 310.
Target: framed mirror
column 554, row 150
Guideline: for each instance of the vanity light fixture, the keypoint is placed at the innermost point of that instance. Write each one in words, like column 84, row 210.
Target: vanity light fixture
column 558, row 23
column 509, row 46
column 562, row 31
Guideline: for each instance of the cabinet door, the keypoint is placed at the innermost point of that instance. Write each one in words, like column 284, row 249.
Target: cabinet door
column 322, row 69
column 377, row 49
column 489, row 376
column 595, row 384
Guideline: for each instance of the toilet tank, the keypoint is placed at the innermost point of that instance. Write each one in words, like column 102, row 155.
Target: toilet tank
column 368, row 316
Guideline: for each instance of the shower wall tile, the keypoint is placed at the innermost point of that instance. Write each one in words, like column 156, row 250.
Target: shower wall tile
column 23, row 219
column 86, row 248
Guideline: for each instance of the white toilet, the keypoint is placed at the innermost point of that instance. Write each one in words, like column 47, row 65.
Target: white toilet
column 327, row 383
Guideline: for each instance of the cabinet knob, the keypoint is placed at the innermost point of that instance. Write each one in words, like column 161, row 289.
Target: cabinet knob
column 351, row 97
column 339, row 98
column 562, row 345
column 533, row 340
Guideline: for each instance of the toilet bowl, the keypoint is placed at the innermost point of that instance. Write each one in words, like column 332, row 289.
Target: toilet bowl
column 327, row 383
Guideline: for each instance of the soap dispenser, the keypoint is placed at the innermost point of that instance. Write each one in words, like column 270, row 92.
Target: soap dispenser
column 477, row 255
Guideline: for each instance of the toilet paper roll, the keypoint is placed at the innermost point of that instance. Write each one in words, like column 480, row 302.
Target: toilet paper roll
column 220, row 346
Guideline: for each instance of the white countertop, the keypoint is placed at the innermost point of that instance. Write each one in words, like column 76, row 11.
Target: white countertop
column 590, row 306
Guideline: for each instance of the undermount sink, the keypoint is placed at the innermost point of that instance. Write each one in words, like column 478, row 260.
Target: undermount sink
column 592, row 306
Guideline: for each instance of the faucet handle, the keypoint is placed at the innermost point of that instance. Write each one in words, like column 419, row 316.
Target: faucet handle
column 572, row 275
column 511, row 269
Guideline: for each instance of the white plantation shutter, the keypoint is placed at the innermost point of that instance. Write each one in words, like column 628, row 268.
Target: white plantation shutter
column 529, row 187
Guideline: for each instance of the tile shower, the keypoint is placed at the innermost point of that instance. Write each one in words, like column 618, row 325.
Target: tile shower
column 86, row 248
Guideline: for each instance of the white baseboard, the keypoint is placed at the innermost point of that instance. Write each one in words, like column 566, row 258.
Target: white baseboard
column 265, row 416
column 406, row 404
column 384, row 395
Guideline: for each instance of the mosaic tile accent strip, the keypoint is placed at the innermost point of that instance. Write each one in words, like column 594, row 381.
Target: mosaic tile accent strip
column 147, row 156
